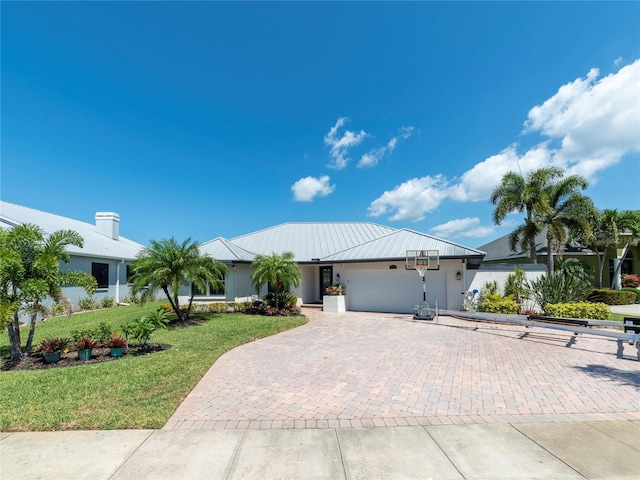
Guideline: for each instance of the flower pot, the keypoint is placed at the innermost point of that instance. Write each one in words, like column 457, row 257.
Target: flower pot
column 52, row 357
column 84, row 354
column 116, row 352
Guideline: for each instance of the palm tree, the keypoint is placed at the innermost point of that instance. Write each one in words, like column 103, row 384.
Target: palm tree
column 280, row 271
column 29, row 273
column 610, row 229
column 168, row 265
column 564, row 211
column 519, row 194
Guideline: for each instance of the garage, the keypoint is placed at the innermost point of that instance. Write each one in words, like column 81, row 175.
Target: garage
column 393, row 290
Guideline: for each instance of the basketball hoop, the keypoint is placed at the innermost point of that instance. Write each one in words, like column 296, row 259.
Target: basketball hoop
column 421, row 267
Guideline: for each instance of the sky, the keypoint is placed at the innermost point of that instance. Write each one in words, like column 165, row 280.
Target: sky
column 215, row 119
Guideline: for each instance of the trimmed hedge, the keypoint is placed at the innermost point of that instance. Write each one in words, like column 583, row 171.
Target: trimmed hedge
column 613, row 297
column 636, row 291
column 503, row 305
column 215, row 307
column 595, row 311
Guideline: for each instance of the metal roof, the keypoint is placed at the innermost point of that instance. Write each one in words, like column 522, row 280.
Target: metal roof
column 225, row 251
column 309, row 241
column 395, row 246
column 95, row 244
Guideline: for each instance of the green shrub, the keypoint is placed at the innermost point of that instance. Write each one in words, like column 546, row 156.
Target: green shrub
column 636, row 291
column 561, row 287
column 596, row 311
column 107, row 302
column 100, row 334
column 500, row 305
column 516, row 285
column 56, row 309
column 613, row 297
column 142, row 328
column 87, row 303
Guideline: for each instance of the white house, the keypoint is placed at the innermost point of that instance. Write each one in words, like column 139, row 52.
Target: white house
column 105, row 254
column 369, row 259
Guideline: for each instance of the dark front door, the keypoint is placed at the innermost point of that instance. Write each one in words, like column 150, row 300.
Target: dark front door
column 326, row 279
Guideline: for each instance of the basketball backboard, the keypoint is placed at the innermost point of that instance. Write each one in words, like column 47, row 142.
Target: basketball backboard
column 421, row 258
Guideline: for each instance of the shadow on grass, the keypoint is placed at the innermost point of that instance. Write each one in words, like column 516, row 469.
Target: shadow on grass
column 620, row 376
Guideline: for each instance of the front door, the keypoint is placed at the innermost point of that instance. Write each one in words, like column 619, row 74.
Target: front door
column 326, row 279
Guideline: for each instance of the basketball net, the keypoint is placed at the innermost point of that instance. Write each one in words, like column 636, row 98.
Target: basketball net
column 421, row 268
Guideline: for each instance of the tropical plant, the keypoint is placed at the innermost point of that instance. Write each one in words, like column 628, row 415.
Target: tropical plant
column 559, row 287
column 563, row 211
column 53, row 344
column 85, row 343
column 142, row 328
column 87, row 303
column 116, row 342
column 107, row 302
column 279, row 271
column 515, row 285
column 519, row 194
column 29, row 273
column 167, row 265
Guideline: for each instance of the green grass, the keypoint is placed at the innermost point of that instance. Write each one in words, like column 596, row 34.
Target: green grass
column 619, row 317
column 132, row 392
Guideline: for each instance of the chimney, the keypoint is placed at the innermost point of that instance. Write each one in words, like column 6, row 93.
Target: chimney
column 108, row 224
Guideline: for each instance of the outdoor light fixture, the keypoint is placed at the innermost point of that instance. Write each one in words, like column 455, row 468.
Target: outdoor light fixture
column 392, row 267
column 458, row 275
column 337, row 278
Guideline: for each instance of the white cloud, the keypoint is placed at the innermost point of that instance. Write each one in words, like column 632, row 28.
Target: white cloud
column 589, row 125
column 596, row 121
column 462, row 227
column 617, row 61
column 373, row 156
column 412, row 199
column 306, row 189
column 340, row 146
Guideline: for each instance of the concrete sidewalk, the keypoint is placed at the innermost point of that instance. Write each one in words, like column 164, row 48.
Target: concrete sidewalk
column 490, row 451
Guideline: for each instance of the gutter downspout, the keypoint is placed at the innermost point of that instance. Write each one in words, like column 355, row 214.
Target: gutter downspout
column 118, row 281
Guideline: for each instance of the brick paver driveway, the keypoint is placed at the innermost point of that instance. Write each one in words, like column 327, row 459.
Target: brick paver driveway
column 366, row 369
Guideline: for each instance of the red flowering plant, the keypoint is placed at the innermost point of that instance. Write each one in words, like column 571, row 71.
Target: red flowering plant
column 630, row 280
column 116, row 342
column 85, row 343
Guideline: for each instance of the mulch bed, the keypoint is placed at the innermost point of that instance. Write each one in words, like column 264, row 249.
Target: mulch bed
column 98, row 355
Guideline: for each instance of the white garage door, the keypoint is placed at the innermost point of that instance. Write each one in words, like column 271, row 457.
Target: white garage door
column 394, row 290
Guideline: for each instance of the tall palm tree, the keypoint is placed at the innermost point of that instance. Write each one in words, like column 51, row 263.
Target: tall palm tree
column 168, row 265
column 281, row 271
column 29, row 273
column 523, row 194
column 564, row 211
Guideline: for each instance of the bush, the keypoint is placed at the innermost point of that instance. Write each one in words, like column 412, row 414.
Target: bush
column 561, row 287
column 56, row 309
column 142, row 328
column 87, row 303
column 516, row 285
column 596, row 311
column 636, row 291
column 260, row 307
column 107, row 302
column 630, row 280
column 500, row 305
column 100, row 334
column 613, row 297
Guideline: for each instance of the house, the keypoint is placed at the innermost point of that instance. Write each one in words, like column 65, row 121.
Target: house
column 498, row 251
column 368, row 258
column 105, row 254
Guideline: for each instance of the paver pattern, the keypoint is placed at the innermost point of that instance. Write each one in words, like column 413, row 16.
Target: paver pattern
column 368, row 369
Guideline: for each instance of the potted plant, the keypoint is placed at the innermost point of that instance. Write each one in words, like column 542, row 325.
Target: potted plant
column 52, row 347
column 116, row 344
column 84, row 346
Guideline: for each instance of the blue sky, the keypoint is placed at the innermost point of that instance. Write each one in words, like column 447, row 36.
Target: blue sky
column 209, row 119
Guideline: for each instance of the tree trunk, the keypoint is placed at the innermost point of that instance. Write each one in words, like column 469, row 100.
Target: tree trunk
column 14, row 339
column 532, row 251
column 176, row 308
column 549, row 256
column 601, row 258
column 32, row 330
column 618, row 268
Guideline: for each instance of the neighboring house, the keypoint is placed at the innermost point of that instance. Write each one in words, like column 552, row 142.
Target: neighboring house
column 498, row 251
column 106, row 255
column 369, row 259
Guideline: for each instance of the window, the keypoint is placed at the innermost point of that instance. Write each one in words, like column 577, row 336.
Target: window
column 209, row 290
column 100, row 271
column 129, row 273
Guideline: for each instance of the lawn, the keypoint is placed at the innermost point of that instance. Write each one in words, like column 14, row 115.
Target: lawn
column 131, row 392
